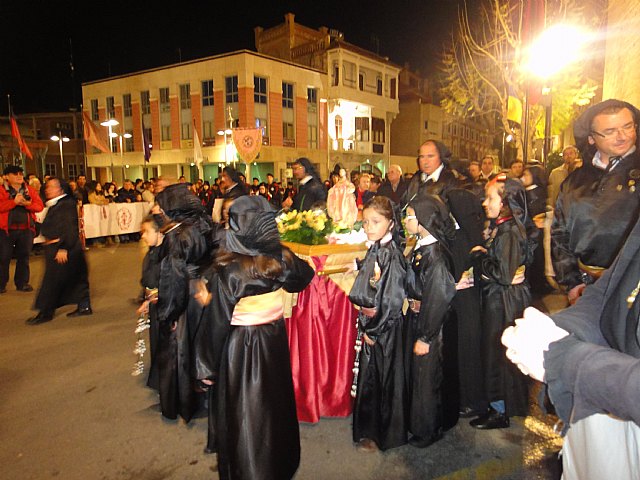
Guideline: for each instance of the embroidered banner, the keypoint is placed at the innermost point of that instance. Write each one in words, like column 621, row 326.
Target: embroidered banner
column 248, row 142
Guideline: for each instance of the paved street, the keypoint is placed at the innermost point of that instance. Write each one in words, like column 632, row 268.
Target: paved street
column 70, row 409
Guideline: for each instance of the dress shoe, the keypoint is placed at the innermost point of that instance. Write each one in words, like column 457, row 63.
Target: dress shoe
column 490, row 421
column 40, row 318
column 25, row 288
column 80, row 312
column 468, row 412
column 421, row 442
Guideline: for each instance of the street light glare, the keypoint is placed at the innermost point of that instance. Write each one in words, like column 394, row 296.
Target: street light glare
column 555, row 48
column 55, row 138
column 112, row 122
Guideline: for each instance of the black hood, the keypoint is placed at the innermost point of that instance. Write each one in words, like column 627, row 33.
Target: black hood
column 179, row 203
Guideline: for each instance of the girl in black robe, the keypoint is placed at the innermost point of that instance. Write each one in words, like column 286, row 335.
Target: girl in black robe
column 379, row 415
column 505, row 295
column 430, row 290
column 187, row 245
column 253, row 421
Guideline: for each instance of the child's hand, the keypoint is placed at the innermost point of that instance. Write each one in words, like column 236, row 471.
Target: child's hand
column 369, row 312
column 479, row 248
column 202, row 295
column 420, row 348
column 368, row 341
column 143, row 308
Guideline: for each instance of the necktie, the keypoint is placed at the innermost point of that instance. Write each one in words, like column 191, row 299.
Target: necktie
column 613, row 161
column 423, row 177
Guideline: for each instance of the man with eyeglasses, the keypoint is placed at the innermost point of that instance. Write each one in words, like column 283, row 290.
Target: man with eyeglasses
column 598, row 204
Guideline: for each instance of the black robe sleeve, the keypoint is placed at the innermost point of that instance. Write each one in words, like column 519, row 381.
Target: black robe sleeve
column 386, row 294
column 504, row 255
column 565, row 262
column 438, row 289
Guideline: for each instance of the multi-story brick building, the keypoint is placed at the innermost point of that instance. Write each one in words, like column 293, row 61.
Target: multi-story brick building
column 311, row 93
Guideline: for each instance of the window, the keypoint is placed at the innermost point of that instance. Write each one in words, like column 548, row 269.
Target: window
column 426, row 124
column 288, row 135
column 126, row 105
column 260, row 90
column 378, row 130
column 74, row 170
column 50, row 169
column 287, row 95
column 379, row 86
column 185, row 97
column 312, row 97
column 362, row 129
column 166, row 132
column 207, row 93
column 145, row 102
column 312, row 136
column 231, row 89
column 336, row 74
column 338, row 123
column 95, row 114
column 361, row 81
column 392, row 88
column 185, row 131
column 165, row 105
column 111, row 108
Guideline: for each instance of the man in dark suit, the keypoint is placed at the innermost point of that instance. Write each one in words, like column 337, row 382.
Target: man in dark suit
column 232, row 183
column 311, row 191
column 66, row 279
column 434, row 174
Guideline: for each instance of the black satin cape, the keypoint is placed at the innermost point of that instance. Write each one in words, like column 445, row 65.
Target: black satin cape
column 502, row 304
column 379, row 411
column 430, row 281
column 252, row 412
column 63, row 283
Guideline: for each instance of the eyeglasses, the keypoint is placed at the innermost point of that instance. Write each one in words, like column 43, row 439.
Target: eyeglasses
column 611, row 132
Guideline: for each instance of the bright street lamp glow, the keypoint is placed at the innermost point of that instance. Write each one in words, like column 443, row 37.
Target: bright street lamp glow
column 555, row 48
column 112, row 122
column 127, row 135
column 56, row 138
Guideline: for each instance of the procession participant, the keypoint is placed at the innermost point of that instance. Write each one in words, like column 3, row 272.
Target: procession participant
column 430, row 290
column 434, row 173
column 379, row 413
column 252, row 414
column 311, row 191
column 505, row 295
column 66, row 278
column 19, row 203
column 598, row 203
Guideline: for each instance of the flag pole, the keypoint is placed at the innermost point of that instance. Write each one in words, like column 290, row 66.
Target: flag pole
column 12, row 139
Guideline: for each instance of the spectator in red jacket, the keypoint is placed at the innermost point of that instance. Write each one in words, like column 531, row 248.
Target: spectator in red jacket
column 18, row 205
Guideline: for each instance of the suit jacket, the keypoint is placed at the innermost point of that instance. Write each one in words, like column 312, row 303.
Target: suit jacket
column 596, row 369
column 309, row 194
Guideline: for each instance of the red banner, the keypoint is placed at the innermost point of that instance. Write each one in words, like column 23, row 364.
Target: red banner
column 21, row 143
column 248, row 142
column 92, row 136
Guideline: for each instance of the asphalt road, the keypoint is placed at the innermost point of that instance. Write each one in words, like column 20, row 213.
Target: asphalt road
column 70, row 408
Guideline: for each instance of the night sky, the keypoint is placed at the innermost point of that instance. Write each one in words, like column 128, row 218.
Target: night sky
column 116, row 37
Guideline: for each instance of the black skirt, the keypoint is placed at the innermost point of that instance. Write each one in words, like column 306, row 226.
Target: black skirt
column 258, row 436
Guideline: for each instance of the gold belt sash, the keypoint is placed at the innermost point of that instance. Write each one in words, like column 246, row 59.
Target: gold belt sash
column 595, row 272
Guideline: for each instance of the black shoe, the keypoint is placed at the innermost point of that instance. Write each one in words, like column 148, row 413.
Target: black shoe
column 468, row 412
column 25, row 288
column 40, row 318
column 80, row 312
column 490, row 420
column 420, row 442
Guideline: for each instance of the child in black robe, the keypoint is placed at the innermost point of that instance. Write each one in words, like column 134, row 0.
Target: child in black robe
column 379, row 415
column 505, row 295
column 430, row 290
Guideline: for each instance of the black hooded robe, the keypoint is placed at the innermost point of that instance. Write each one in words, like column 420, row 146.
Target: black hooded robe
column 502, row 303
column 379, row 412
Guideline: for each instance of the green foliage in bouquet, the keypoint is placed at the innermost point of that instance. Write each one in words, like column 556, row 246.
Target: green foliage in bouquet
column 310, row 227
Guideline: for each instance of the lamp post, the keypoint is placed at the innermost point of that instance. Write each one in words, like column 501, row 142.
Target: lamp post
column 226, row 134
column 112, row 122
column 120, row 137
column 556, row 48
column 60, row 139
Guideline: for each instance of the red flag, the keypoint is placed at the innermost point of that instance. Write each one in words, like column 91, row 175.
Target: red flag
column 21, row 143
column 92, row 135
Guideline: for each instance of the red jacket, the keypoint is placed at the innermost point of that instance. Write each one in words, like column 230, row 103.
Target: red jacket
column 7, row 204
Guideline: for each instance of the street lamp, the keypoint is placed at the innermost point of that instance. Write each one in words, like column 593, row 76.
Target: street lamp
column 226, row 134
column 112, row 122
column 60, row 139
column 557, row 47
column 120, row 137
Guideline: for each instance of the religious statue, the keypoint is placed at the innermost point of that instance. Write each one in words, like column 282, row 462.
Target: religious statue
column 341, row 203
